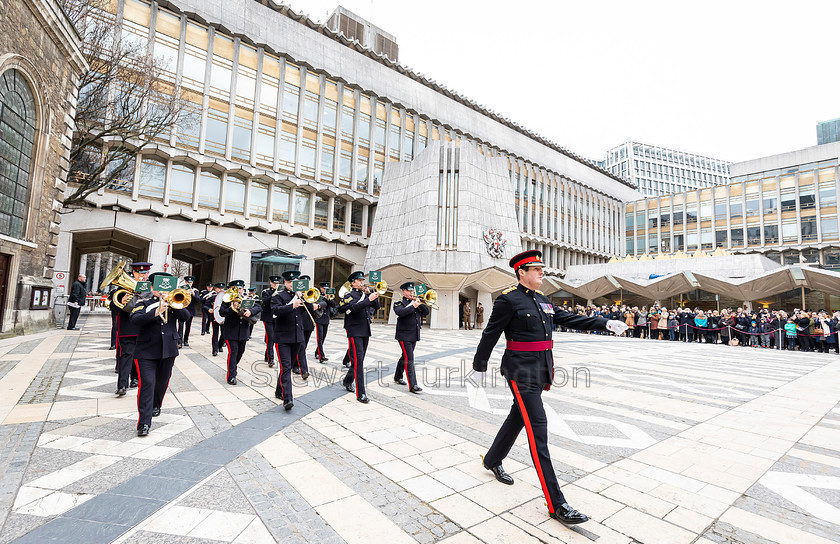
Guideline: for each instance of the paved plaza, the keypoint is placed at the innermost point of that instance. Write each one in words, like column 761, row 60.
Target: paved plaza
column 658, row 442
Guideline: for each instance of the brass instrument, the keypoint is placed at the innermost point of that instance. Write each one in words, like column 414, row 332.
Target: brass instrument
column 177, row 299
column 381, row 287
column 232, row 295
column 329, row 296
column 429, row 299
column 126, row 285
column 312, row 295
column 345, row 288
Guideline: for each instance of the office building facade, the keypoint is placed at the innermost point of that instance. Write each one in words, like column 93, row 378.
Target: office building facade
column 828, row 132
column 658, row 170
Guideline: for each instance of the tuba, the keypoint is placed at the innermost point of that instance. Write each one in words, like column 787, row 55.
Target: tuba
column 126, row 285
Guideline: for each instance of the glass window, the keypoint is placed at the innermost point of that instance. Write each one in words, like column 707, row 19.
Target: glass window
column 307, row 156
column 287, row 150
column 356, row 218
column 270, row 85
column 208, row 192
column 771, row 234
column 831, row 259
column 221, row 70
column 808, row 227
column 265, row 144
column 330, row 116
column 789, row 231
column 362, row 174
column 321, row 211
column 379, row 135
column 241, row 146
column 738, row 237
column 216, row 131
column 828, row 195
column 327, row 162
column 806, row 197
column 344, row 167
column 752, row 206
column 181, row 184
column 378, row 174
column 234, row 194
column 246, row 77
column 189, row 126
column 291, row 96
column 167, row 37
column 653, row 243
column 302, row 199
column 280, row 203
column 754, row 236
column 720, row 210
column 770, row 205
column 152, row 177
column 17, row 144
column 195, row 58
column 258, row 199
column 721, row 238
column 339, row 214
column 310, row 109
column 705, row 211
column 691, row 240
column 706, row 239
column 347, row 113
column 788, row 200
column 829, row 228
column 736, row 210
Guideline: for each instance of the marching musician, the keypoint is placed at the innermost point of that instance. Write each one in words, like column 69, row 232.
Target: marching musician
column 127, row 334
column 288, row 335
column 527, row 319
column 157, row 347
column 252, row 294
column 268, row 319
column 195, row 306
column 237, row 327
column 212, row 307
column 410, row 312
column 205, row 315
column 322, row 322
column 355, row 306
column 307, row 317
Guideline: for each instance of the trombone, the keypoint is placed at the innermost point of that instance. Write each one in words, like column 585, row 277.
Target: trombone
column 381, row 287
column 429, row 299
column 177, row 299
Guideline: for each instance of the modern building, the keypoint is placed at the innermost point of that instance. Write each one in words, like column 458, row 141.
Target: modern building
column 828, row 132
column 366, row 33
column 660, row 171
column 298, row 129
column 40, row 65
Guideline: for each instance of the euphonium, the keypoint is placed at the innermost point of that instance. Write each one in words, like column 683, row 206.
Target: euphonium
column 179, row 299
column 232, row 295
column 126, row 285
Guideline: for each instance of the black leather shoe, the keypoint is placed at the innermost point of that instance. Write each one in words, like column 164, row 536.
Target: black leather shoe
column 305, row 375
column 288, row 405
column 415, row 389
column 271, row 364
column 295, row 371
column 215, row 353
column 325, row 359
column 568, row 515
column 121, row 392
column 363, row 399
column 232, row 381
column 400, row 381
column 116, row 371
column 113, row 347
column 143, row 431
column 186, row 344
column 346, row 365
column 133, row 383
column 202, row 334
column 500, row 474
column 350, row 387
column 155, row 412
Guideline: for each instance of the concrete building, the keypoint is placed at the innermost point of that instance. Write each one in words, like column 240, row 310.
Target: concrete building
column 40, row 65
column 828, row 132
column 659, row 171
column 298, row 130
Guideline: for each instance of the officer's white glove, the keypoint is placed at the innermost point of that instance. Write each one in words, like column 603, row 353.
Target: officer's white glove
column 616, row 326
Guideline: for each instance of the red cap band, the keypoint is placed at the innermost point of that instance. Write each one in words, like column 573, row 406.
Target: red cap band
column 526, row 260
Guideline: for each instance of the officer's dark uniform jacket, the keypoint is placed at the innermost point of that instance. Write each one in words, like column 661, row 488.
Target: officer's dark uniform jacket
column 325, row 304
column 156, row 339
column 518, row 314
column 355, row 306
column 288, row 326
column 208, row 299
column 265, row 302
column 306, row 321
column 237, row 328
column 409, row 320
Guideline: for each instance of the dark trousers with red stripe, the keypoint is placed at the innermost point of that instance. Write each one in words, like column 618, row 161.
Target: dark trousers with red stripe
column 235, row 350
column 270, row 341
column 528, row 411
column 218, row 338
column 356, row 372
column 285, row 352
column 320, row 335
column 154, row 381
column 406, row 363
column 300, row 358
column 125, row 360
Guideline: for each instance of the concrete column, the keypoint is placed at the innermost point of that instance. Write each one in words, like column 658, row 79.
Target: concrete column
column 96, row 269
column 312, row 211
column 330, row 213
column 365, row 210
column 348, row 214
column 240, row 268
column 447, row 316
column 322, row 84
column 292, row 192
column 82, row 265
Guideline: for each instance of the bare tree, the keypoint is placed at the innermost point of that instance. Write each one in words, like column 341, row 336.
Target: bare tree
column 127, row 100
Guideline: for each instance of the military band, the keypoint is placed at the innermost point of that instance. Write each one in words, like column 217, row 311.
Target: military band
column 268, row 319
column 322, row 322
column 307, row 313
column 214, row 303
column 237, row 326
column 356, row 307
column 410, row 312
column 288, row 331
column 126, row 331
column 205, row 314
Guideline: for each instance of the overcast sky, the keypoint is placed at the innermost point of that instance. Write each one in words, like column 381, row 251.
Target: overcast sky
column 733, row 79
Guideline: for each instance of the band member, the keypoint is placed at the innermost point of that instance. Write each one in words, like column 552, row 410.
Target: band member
column 205, row 315
column 194, row 307
column 237, row 327
column 355, row 306
column 307, row 313
column 114, row 310
column 252, row 294
column 288, row 334
column 157, row 347
column 214, row 302
column 127, row 333
column 527, row 319
column 268, row 319
column 410, row 312
column 322, row 322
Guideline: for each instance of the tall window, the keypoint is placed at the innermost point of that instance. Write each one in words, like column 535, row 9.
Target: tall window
column 17, row 144
column 152, row 177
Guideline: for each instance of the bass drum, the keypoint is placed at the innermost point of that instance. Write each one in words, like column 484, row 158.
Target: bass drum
column 217, row 303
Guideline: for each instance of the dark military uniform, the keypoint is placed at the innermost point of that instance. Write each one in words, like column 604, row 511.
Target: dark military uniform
column 355, row 306
column 306, row 320
column 268, row 322
column 409, row 320
column 237, row 332
column 527, row 319
column 157, row 347
column 288, row 335
column 322, row 323
column 126, row 342
column 194, row 308
column 205, row 314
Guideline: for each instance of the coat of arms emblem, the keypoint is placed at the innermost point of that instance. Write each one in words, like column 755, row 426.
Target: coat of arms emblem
column 495, row 242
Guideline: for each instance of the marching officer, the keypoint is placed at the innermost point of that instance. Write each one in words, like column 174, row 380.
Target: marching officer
column 410, row 312
column 217, row 335
column 307, row 318
column 527, row 319
column 157, row 347
column 237, row 328
column 127, row 334
column 268, row 319
column 322, row 322
column 355, row 306
column 288, row 335
column 205, row 315
column 193, row 309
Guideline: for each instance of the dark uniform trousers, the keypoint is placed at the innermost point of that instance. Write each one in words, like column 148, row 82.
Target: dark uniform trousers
column 206, row 318
column 406, row 363
column 357, row 309
column 184, row 330
column 527, row 317
column 270, row 341
column 154, row 380
column 288, row 333
column 284, row 369
column 320, row 335
column 356, row 352
column 300, row 358
column 218, row 337
column 236, row 348
column 126, row 367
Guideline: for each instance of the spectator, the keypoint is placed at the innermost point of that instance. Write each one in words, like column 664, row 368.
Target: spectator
column 663, row 324
column 672, row 326
column 75, row 301
column 653, row 318
column 764, row 329
column 700, row 323
column 642, row 323
column 753, row 334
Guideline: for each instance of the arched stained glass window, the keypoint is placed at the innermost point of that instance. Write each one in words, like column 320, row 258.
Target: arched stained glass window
column 17, row 137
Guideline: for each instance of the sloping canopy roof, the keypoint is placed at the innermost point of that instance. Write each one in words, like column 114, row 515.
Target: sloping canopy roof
column 591, row 289
column 662, row 287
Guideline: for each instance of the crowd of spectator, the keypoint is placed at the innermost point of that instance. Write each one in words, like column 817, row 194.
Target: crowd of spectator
column 806, row 330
